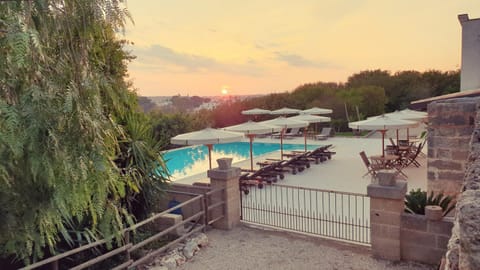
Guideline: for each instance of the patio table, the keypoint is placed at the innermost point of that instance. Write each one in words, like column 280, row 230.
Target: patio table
column 389, row 162
column 386, row 161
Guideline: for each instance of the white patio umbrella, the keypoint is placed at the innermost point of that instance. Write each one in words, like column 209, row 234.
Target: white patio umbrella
column 310, row 119
column 285, row 111
column 381, row 124
column 414, row 112
column 316, row 110
column 208, row 137
column 407, row 115
column 285, row 123
column 255, row 111
column 251, row 129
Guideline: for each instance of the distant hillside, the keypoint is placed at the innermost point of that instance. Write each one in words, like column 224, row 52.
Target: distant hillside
column 185, row 103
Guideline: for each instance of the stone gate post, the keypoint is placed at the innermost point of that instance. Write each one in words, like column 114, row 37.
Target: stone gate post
column 227, row 177
column 386, row 208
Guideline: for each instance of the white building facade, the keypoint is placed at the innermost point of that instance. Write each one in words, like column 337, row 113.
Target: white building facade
column 470, row 68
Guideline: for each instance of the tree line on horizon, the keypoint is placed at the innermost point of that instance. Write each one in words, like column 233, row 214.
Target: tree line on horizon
column 366, row 93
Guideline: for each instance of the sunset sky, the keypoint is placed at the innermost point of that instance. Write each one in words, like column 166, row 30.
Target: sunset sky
column 264, row 46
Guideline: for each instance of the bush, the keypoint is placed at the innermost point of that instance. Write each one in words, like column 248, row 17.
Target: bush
column 416, row 201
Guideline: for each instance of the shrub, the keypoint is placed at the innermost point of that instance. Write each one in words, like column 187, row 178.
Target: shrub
column 416, row 201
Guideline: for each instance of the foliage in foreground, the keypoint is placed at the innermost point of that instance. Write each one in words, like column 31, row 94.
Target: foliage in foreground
column 75, row 156
column 416, row 200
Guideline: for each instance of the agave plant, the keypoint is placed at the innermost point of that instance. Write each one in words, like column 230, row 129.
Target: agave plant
column 416, row 201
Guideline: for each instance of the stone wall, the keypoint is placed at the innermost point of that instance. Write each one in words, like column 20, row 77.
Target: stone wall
column 162, row 205
column 424, row 240
column 464, row 245
column 451, row 123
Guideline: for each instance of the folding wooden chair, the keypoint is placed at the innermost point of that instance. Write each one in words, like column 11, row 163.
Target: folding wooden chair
column 372, row 168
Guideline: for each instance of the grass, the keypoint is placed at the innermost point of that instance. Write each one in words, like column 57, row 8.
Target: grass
column 351, row 134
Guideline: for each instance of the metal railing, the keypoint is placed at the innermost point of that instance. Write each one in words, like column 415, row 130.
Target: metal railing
column 333, row 214
column 212, row 209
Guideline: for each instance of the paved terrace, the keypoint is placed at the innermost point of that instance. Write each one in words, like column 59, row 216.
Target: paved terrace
column 342, row 173
column 250, row 248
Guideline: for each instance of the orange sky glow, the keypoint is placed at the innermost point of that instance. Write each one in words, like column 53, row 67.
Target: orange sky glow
column 260, row 47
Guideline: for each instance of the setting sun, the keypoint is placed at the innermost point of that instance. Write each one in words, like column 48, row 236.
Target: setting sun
column 224, row 91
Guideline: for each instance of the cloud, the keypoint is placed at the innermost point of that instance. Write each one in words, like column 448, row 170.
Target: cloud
column 158, row 57
column 299, row 61
column 190, row 62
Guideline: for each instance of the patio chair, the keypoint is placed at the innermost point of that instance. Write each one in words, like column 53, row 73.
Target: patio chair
column 411, row 157
column 324, row 134
column 372, row 169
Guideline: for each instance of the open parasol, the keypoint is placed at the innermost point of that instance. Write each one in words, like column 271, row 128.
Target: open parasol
column 208, row 137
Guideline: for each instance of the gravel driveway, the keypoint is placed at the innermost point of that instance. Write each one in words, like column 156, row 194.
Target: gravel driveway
column 251, row 248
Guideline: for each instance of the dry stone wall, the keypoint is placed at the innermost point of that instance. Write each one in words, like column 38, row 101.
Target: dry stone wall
column 464, row 245
column 451, row 123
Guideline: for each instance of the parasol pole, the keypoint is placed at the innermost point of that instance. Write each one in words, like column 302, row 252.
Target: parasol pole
column 251, row 136
column 281, row 143
column 397, row 136
column 383, row 142
column 305, row 136
column 210, row 155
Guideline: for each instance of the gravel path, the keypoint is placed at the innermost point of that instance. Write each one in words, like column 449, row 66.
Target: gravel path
column 251, row 248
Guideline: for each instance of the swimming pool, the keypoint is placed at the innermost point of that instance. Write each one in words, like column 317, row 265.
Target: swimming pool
column 187, row 161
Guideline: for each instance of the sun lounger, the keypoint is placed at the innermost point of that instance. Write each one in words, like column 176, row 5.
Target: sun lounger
column 290, row 165
column 281, row 166
column 301, row 157
column 267, row 174
column 288, row 134
column 255, row 178
column 324, row 134
column 294, row 164
column 322, row 153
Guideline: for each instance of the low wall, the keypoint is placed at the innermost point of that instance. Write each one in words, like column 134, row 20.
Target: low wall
column 423, row 240
column 397, row 235
column 187, row 211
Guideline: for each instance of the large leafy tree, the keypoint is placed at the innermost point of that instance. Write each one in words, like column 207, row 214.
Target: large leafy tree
column 71, row 154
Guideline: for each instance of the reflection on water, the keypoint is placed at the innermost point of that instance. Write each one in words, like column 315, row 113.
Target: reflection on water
column 193, row 160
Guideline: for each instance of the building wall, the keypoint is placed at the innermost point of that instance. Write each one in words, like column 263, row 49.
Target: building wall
column 451, row 123
column 470, row 70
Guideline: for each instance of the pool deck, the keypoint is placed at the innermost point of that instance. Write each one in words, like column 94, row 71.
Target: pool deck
column 342, row 173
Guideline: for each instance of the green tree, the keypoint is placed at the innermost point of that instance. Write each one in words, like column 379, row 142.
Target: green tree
column 65, row 118
column 373, row 100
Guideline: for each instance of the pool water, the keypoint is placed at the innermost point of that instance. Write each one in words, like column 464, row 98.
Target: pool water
column 187, row 161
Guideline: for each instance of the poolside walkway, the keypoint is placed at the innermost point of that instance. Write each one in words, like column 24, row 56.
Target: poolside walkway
column 253, row 248
column 342, row 173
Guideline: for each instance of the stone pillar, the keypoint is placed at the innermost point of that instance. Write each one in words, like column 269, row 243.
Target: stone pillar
column 226, row 177
column 386, row 208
